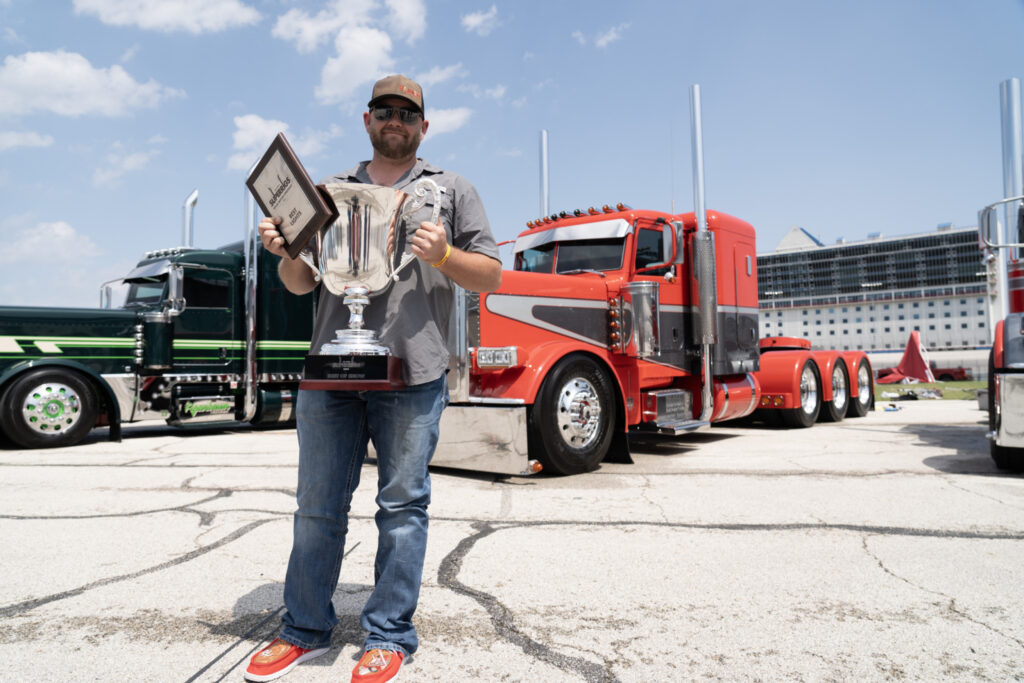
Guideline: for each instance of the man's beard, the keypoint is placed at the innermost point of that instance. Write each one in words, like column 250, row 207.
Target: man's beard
column 394, row 146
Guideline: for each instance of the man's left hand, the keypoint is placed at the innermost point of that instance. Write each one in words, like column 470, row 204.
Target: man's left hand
column 429, row 243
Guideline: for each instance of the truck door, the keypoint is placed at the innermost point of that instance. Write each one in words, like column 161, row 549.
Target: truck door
column 207, row 338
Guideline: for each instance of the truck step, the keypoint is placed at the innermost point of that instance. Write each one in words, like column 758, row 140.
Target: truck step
column 680, row 426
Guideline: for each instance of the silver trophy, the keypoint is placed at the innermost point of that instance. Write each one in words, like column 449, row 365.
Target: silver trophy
column 356, row 259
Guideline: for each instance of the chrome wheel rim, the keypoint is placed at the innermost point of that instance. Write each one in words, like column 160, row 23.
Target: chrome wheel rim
column 51, row 408
column 839, row 391
column 863, row 385
column 579, row 413
column 808, row 391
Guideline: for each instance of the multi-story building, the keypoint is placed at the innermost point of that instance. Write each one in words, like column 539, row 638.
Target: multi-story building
column 871, row 294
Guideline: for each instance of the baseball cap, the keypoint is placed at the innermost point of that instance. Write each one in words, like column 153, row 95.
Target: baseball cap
column 397, row 86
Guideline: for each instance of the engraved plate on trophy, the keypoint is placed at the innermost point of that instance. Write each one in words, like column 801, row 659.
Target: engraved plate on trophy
column 283, row 189
column 356, row 258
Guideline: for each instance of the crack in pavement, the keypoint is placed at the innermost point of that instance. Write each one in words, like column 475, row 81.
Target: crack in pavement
column 27, row 605
column 952, row 601
column 502, row 618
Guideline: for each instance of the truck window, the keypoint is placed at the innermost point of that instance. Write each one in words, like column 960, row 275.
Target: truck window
column 648, row 251
column 602, row 254
column 145, row 292
column 209, row 290
column 539, row 260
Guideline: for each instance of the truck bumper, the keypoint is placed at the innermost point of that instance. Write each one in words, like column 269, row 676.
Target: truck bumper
column 483, row 438
column 1010, row 407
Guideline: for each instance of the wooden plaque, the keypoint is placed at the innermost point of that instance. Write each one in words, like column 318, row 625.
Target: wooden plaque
column 283, row 189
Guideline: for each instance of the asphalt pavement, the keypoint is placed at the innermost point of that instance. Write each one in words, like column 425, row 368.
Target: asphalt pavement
column 886, row 547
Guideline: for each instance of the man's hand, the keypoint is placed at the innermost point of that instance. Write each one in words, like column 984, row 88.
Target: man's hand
column 271, row 237
column 294, row 273
column 429, row 243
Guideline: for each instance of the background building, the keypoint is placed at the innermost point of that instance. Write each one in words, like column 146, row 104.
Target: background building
column 871, row 294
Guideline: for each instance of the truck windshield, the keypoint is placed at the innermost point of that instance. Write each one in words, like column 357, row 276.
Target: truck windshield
column 574, row 256
column 602, row 254
column 145, row 292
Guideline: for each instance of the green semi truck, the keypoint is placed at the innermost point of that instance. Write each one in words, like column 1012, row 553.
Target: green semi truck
column 188, row 336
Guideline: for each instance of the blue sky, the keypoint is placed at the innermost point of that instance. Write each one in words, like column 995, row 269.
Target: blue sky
column 841, row 118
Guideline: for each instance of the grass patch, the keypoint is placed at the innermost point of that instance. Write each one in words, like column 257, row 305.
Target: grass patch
column 953, row 391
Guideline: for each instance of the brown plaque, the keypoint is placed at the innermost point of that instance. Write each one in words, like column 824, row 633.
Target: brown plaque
column 283, row 189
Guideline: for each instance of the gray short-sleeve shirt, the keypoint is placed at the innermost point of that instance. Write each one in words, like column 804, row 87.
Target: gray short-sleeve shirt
column 412, row 317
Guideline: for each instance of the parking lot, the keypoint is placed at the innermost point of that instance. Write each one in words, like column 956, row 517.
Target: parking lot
column 887, row 547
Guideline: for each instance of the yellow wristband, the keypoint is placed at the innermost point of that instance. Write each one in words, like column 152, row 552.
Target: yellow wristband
column 447, row 253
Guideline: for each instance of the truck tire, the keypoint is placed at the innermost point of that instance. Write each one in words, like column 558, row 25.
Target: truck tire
column 570, row 424
column 47, row 408
column 806, row 414
column 860, row 404
column 945, row 378
column 1010, row 459
column 835, row 410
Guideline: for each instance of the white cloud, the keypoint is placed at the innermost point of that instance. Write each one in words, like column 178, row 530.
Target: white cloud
column 120, row 162
column 253, row 134
column 495, row 93
column 407, row 18
column 481, row 23
column 447, row 120
column 309, row 32
column 58, row 240
column 12, row 139
column 191, row 16
column 610, row 36
column 65, row 83
column 580, row 38
column 439, row 74
column 364, row 55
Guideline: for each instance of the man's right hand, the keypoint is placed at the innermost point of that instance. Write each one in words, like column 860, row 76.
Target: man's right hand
column 271, row 237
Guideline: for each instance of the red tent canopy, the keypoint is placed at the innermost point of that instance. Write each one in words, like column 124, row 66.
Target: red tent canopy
column 914, row 364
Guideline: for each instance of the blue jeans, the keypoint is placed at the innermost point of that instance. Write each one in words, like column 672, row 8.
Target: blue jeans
column 333, row 430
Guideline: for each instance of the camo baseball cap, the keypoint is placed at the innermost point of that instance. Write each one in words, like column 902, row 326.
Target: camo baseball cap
column 397, row 86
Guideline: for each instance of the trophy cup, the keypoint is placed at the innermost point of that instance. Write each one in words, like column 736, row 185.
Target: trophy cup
column 355, row 259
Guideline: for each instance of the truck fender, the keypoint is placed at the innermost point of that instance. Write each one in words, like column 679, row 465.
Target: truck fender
column 108, row 403
column 780, row 375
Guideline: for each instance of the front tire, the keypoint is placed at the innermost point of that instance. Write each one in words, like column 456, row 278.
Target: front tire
column 806, row 414
column 48, row 408
column 571, row 422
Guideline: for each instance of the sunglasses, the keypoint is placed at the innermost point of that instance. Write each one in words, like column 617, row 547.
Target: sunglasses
column 408, row 116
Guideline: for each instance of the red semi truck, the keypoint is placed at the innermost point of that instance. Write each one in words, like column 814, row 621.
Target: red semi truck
column 620, row 322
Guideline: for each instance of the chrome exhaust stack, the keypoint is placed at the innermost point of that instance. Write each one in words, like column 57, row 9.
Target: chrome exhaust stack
column 703, row 261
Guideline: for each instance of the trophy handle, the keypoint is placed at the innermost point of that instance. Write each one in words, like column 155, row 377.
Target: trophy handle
column 419, row 191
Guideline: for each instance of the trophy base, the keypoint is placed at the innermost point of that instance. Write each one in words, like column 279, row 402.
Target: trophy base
column 352, row 372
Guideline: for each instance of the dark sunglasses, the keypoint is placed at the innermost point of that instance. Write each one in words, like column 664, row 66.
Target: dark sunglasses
column 408, row 116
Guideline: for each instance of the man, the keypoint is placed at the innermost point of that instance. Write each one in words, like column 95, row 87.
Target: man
column 333, row 427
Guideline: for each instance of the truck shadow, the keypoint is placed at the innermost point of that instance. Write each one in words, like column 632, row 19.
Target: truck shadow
column 970, row 449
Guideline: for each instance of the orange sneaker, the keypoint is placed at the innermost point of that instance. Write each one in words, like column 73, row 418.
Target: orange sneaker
column 277, row 659
column 377, row 666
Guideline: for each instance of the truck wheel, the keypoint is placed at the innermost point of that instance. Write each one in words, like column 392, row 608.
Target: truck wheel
column 810, row 399
column 48, row 407
column 945, row 378
column 571, row 422
column 835, row 410
column 1011, row 459
column 861, row 403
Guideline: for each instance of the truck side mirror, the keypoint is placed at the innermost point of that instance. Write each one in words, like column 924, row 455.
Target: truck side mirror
column 175, row 303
